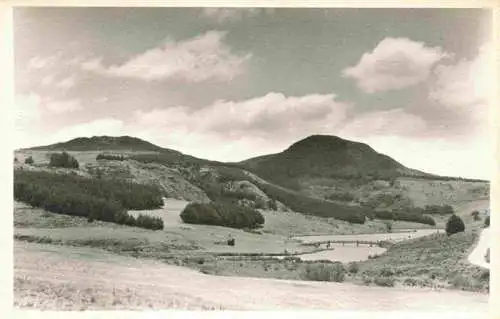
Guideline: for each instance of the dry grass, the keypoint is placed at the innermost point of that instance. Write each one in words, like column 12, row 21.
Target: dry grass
column 71, row 278
column 434, row 260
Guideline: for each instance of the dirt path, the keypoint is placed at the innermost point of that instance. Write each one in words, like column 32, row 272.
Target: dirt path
column 58, row 277
column 476, row 257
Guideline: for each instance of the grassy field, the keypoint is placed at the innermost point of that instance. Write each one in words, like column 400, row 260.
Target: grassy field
column 434, row 260
column 79, row 278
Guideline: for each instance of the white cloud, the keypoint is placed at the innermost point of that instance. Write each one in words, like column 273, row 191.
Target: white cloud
column 466, row 86
column 205, row 57
column 67, row 82
column 396, row 122
column 236, row 130
column 230, row 14
column 61, row 106
column 39, row 62
column 394, row 64
column 271, row 115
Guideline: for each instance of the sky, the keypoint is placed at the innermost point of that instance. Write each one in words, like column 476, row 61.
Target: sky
column 230, row 84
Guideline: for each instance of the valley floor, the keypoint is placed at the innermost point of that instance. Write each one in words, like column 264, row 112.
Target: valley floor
column 53, row 277
column 65, row 262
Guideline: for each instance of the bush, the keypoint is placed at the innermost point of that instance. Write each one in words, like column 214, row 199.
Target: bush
column 94, row 199
column 411, row 215
column 454, row 225
column 64, row 160
column 439, row 210
column 324, row 272
column 487, row 221
column 384, row 281
column 272, row 205
column 29, row 160
column 353, row 267
column 222, row 214
column 149, row 222
column 110, row 157
column 386, row 272
column 475, row 215
column 343, row 197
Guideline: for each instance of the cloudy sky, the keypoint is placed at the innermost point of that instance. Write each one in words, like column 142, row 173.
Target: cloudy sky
column 229, row 84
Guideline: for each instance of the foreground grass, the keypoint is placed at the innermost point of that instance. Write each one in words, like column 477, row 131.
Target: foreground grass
column 436, row 260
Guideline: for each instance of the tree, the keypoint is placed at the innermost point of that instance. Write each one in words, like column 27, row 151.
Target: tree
column 388, row 226
column 487, row 221
column 454, row 225
column 29, row 160
column 63, row 160
column 475, row 215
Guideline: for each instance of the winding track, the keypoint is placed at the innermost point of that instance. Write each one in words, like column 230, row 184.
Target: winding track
column 476, row 257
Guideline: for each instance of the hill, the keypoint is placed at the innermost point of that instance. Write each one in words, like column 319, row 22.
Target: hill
column 102, row 143
column 328, row 157
column 332, row 168
column 124, row 144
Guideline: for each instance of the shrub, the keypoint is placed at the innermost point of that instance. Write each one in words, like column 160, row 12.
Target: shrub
column 487, row 221
column 388, row 226
column 149, row 222
column 272, row 205
column 29, row 160
column 411, row 215
column 353, row 267
column 64, row 160
column 410, row 282
column 324, row 272
column 384, row 281
column 386, row 272
column 222, row 214
column 438, row 209
column 343, row 197
column 110, row 157
column 475, row 215
column 454, row 225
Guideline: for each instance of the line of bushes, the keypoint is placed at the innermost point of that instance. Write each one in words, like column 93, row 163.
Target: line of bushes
column 221, row 213
column 411, row 215
column 95, row 199
column 110, row 157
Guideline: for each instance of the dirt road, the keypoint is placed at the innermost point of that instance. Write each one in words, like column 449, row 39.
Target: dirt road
column 476, row 257
column 58, row 277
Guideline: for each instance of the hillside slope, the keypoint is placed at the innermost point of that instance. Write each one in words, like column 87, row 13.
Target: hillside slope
column 327, row 156
column 333, row 168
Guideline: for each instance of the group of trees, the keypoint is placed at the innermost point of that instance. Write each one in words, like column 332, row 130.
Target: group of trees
column 110, row 157
column 64, row 160
column 95, row 199
column 222, row 214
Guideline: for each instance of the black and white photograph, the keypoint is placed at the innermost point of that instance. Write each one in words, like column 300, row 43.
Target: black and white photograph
column 256, row 158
